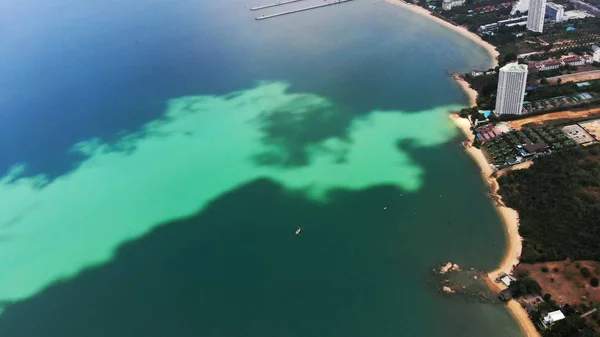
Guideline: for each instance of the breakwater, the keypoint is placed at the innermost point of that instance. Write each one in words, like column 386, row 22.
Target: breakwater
column 264, row 17
column 274, row 5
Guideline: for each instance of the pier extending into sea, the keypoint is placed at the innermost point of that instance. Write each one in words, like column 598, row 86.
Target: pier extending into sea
column 263, row 17
column 274, row 5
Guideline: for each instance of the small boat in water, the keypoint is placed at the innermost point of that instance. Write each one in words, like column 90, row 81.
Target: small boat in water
column 298, row 230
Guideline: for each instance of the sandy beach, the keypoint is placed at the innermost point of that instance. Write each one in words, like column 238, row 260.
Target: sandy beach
column 460, row 30
column 510, row 218
column 471, row 93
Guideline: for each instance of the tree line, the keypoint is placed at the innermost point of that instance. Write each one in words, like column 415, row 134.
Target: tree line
column 558, row 200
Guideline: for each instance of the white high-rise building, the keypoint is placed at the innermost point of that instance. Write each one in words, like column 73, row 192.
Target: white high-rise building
column 555, row 11
column 512, row 83
column 535, row 15
column 596, row 53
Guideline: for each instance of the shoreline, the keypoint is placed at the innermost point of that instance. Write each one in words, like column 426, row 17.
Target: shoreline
column 466, row 88
column 491, row 49
column 509, row 216
column 510, row 219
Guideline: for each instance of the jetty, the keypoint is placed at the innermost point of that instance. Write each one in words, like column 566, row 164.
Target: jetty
column 335, row 2
column 274, row 5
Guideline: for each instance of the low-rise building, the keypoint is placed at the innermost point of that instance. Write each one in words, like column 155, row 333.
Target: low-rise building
column 477, row 73
column 553, row 317
column 548, row 65
column 507, row 280
column 573, row 61
column 492, row 27
column 585, row 6
column 449, row 4
column 533, row 149
column 556, row 64
column 576, row 15
column 505, row 295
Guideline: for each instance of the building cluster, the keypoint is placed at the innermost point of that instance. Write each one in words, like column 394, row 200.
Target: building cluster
column 557, row 64
column 449, row 4
column 586, row 7
column 477, row 73
column 553, row 12
column 540, row 10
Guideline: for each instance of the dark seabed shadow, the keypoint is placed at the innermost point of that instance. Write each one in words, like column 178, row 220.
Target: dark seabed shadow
column 237, row 269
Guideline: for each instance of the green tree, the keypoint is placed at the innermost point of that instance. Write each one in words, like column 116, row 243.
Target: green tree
column 509, row 57
column 585, row 272
column 525, row 286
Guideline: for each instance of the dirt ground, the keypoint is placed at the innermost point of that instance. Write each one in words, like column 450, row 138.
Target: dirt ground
column 569, row 285
column 555, row 116
column 577, row 77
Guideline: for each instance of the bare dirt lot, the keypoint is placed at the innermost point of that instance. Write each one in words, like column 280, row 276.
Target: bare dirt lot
column 592, row 127
column 553, row 117
column 567, row 285
column 577, row 77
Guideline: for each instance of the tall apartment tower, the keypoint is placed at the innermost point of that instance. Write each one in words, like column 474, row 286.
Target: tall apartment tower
column 555, row 11
column 512, row 83
column 535, row 15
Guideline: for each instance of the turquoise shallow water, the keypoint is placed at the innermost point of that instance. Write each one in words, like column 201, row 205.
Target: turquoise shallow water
column 166, row 152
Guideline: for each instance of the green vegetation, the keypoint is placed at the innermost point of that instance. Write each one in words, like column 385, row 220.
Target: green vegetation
column 486, row 86
column 504, row 148
column 556, row 90
column 558, row 200
column 585, row 272
column 572, row 326
column 524, row 286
